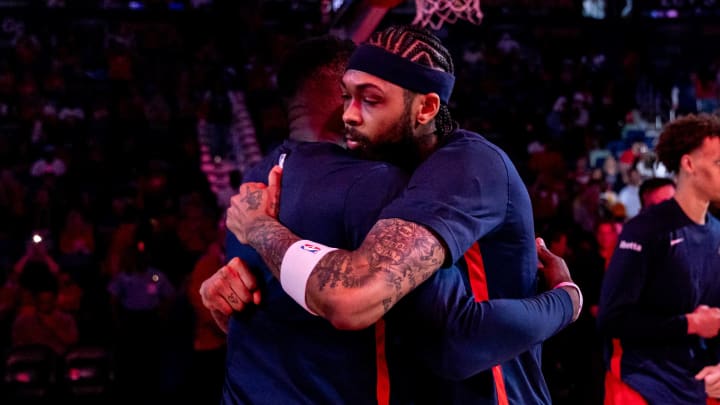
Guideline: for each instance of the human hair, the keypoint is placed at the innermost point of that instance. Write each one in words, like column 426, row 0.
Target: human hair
column 421, row 46
column 311, row 62
column 652, row 184
column 683, row 136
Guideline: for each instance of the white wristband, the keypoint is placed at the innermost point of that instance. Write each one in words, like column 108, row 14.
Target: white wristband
column 577, row 288
column 297, row 264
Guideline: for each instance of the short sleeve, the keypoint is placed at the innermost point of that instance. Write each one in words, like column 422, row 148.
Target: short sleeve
column 460, row 192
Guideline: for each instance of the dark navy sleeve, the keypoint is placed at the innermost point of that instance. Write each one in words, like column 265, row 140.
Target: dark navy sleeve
column 459, row 337
column 460, row 193
column 620, row 314
column 366, row 198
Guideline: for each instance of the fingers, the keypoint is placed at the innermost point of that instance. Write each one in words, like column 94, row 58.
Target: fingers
column 275, row 177
column 539, row 242
column 704, row 372
column 712, row 378
column 216, row 304
column 241, row 269
column 237, row 293
column 544, row 254
column 552, row 266
column 225, row 291
column 540, row 245
column 274, row 181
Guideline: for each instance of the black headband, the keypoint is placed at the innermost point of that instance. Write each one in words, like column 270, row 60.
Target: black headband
column 402, row 72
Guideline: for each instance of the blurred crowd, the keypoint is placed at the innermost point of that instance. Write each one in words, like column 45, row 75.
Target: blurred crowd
column 108, row 223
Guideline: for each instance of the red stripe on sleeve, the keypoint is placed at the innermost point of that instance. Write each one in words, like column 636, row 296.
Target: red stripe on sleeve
column 478, row 284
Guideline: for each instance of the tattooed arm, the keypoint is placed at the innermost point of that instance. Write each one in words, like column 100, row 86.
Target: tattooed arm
column 352, row 289
column 355, row 289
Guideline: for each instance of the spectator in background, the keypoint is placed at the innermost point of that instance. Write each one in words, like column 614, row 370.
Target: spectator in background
column 655, row 190
column 586, row 206
column 36, row 251
column 44, row 323
column 629, row 195
column 141, row 297
column 606, row 235
column 706, row 90
column 209, row 345
column 12, row 198
column 573, row 358
column 629, row 157
column 609, row 173
column 48, row 164
column 218, row 117
column 77, row 236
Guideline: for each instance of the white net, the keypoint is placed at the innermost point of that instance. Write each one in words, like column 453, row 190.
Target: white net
column 435, row 13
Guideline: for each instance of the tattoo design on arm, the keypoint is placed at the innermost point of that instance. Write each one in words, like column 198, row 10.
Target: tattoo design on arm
column 395, row 257
column 401, row 253
column 271, row 239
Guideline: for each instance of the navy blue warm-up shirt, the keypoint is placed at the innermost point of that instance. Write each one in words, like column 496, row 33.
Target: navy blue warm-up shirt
column 664, row 266
column 279, row 353
column 469, row 193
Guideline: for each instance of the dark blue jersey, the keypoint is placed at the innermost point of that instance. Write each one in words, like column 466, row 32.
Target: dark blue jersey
column 278, row 353
column 333, row 199
column 470, row 194
column 663, row 267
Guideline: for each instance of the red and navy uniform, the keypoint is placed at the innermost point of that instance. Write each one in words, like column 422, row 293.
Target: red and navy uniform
column 664, row 266
column 470, row 194
column 278, row 353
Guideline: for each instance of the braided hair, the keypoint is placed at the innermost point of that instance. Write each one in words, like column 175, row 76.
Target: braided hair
column 419, row 45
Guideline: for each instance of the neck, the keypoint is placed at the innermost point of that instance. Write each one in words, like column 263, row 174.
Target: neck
column 308, row 127
column 694, row 207
column 427, row 141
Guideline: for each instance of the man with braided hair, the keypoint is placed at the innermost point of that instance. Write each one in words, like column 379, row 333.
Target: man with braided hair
column 660, row 297
column 464, row 194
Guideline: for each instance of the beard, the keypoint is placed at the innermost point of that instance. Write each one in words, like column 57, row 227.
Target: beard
column 397, row 145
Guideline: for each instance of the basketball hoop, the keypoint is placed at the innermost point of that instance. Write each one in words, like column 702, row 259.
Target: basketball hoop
column 435, row 13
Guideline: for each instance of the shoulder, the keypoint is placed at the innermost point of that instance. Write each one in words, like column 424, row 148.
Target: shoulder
column 329, row 158
column 714, row 222
column 650, row 224
column 472, row 149
column 259, row 171
column 463, row 139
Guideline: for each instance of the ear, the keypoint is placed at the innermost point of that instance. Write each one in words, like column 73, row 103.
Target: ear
column 686, row 163
column 429, row 108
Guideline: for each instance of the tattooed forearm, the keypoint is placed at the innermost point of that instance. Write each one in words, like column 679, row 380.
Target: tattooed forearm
column 271, row 239
column 336, row 270
column 354, row 289
column 397, row 254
